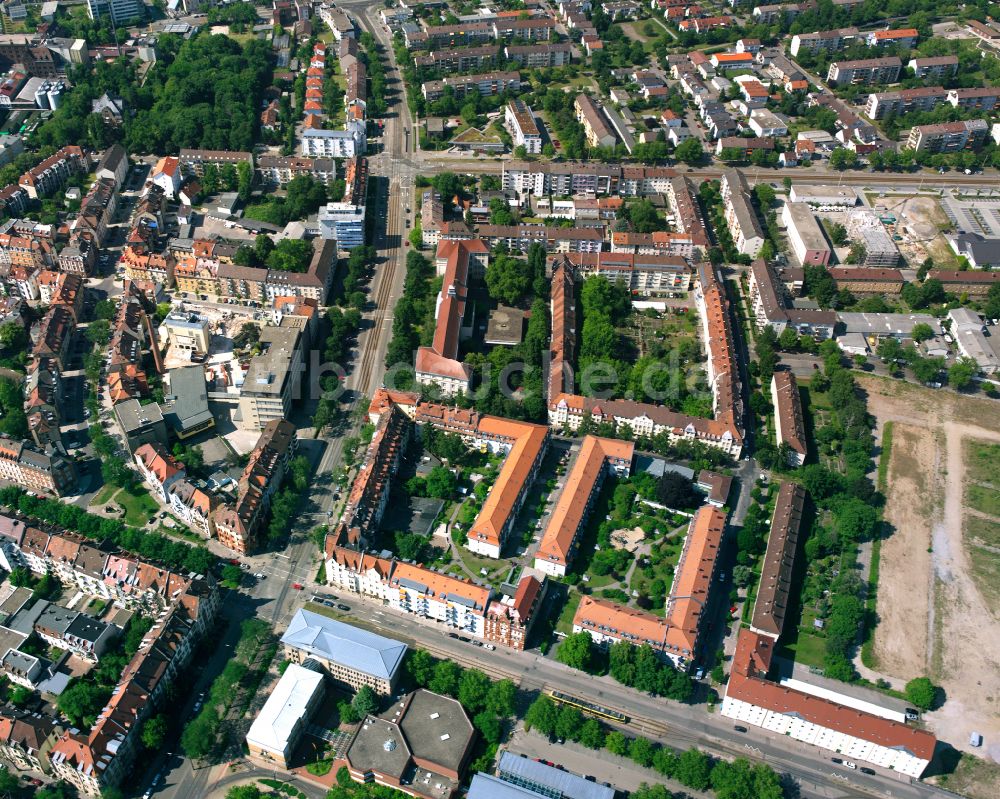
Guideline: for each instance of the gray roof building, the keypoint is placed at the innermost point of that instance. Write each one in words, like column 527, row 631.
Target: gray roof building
column 547, row 780
column 357, row 649
column 898, row 325
column 185, row 406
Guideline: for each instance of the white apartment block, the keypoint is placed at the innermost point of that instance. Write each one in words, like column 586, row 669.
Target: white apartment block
column 522, row 126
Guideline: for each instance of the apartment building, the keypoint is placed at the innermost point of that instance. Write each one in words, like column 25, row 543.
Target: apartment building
column 926, row 98
column 948, row 137
column 539, row 56
column 643, row 275
column 272, row 379
column 68, row 630
column 279, row 170
column 869, row 280
column 939, row 67
column 806, row 236
column 485, row 85
column 350, row 656
column 237, row 525
column 822, row 41
column 556, row 239
column 978, row 99
column 53, row 173
column 26, row 737
column 675, row 636
column 348, row 143
column 194, row 506
column 562, row 342
column 460, row 59
column 595, row 125
column 789, row 424
column 741, row 217
column 541, row 178
column 438, row 364
column 686, row 210
column 774, row 589
column 905, row 38
column 193, row 162
column 510, row 618
column 34, row 469
column 534, row 29
column 524, row 446
column 973, row 283
column 768, row 301
column 96, row 212
column 596, row 458
column 159, row 469
column 864, row 226
column 522, row 126
column 969, row 332
column 865, row 71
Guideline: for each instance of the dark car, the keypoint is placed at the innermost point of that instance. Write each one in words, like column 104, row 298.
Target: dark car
column 740, row 728
column 452, row 635
column 865, row 770
column 345, row 608
column 836, row 760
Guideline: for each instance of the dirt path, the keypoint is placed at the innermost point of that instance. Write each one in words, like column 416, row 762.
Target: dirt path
column 933, row 618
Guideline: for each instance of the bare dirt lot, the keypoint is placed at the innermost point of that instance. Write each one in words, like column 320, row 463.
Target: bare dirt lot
column 920, row 221
column 934, row 616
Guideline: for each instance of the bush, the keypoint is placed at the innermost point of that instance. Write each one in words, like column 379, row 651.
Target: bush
column 922, row 693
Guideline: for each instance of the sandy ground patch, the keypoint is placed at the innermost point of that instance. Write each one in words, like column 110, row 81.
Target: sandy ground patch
column 962, row 634
column 904, row 575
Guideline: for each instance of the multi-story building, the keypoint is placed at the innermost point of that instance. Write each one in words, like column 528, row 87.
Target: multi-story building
column 768, row 302
column 595, row 124
column 773, row 601
column 431, row 217
column 520, row 123
column 53, row 173
column 344, row 223
column 643, row 275
column 789, row 424
column 486, row 85
column 278, row 728
column 280, row 170
column 348, row 143
column 159, row 469
column 540, row 178
column 534, row 29
column 193, row 162
column 68, row 630
column 118, row 11
column 449, row 36
column 940, row 67
column 905, row 38
column 973, row 283
column 26, row 738
column 438, row 364
column 272, row 379
column 741, row 217
column 676, row 635
column 978, row 99
column 867, row 280
column 926, row 98
column 539, row 56
column 461, row 59
column 597, row 457
column 194, row 506
column 865, row 71
column 808, row 242
column 822, row 41
column 969, row 332
column 37, row 470
column 509, row 619
column 948, row 137
column 521, row 237
column 350, row 656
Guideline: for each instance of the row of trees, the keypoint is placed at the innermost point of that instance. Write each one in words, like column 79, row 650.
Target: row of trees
column 172, row 553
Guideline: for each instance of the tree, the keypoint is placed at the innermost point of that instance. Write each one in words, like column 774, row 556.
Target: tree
column 569, row 723
column 693, row 769
column 961, row 373
column 291, row 255
column 13, row 336
column 99, row 332
column 842, row 158
column 441, row 483
column 420, row 666
column 921, row 692
column 577, row 651
column 641, row 751
column 788, row 340
column 364, row 702
column 677, row 491
column 542, row 715
column 765, row 195
column 591, row 734
column 244, row 792
column 154, row 732
column 507, row 279
column 81, row 702
column 473, row 690
column 889, row 349
column 838, row 234
column 489, row 727
column 446, row 676
column 501, row 698
column 232, row 575
column 690, row 151
column 616, row 743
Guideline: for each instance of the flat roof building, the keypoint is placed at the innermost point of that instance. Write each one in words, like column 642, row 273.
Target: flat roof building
column 545, row 780
column 350, row 655
column 185, row 402
column 272, row 380
column 808, row 242
column 278, row 727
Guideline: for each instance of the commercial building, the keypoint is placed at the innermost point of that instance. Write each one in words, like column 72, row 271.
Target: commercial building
column 276, row 731
column 865, row 71
column 676, row 635
column 352, row 657
column 865, row 228
column 948, row 137
column 520, row 123
column 420, row 746
column 119, row 11
column 187, row 333
column 789, row 423
column 837, row 196
column 741, row 217
column 185, row 402
column 343, row 222
column 597, row 457
column 979, row 251
column 272, row 379
column 523, row 777
column 141, row 424
column 886, row 325
column 806, row 236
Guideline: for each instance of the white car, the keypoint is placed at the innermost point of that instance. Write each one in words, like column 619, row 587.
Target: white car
column 851, row 764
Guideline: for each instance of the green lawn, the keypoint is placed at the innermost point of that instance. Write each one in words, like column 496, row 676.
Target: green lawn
column 981, row 460
column 985, row 500
column 565, row 622
column 139, row 506
column 808, row 649
column 984, row 532
column 103, row 496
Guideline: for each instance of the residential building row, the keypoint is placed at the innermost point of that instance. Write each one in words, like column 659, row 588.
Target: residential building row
column 771, row 306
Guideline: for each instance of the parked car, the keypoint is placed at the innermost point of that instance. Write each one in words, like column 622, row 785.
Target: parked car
column 865, row 770
column 297, row 586
column 343, row 607
column 851, row 765
column 740, row 728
